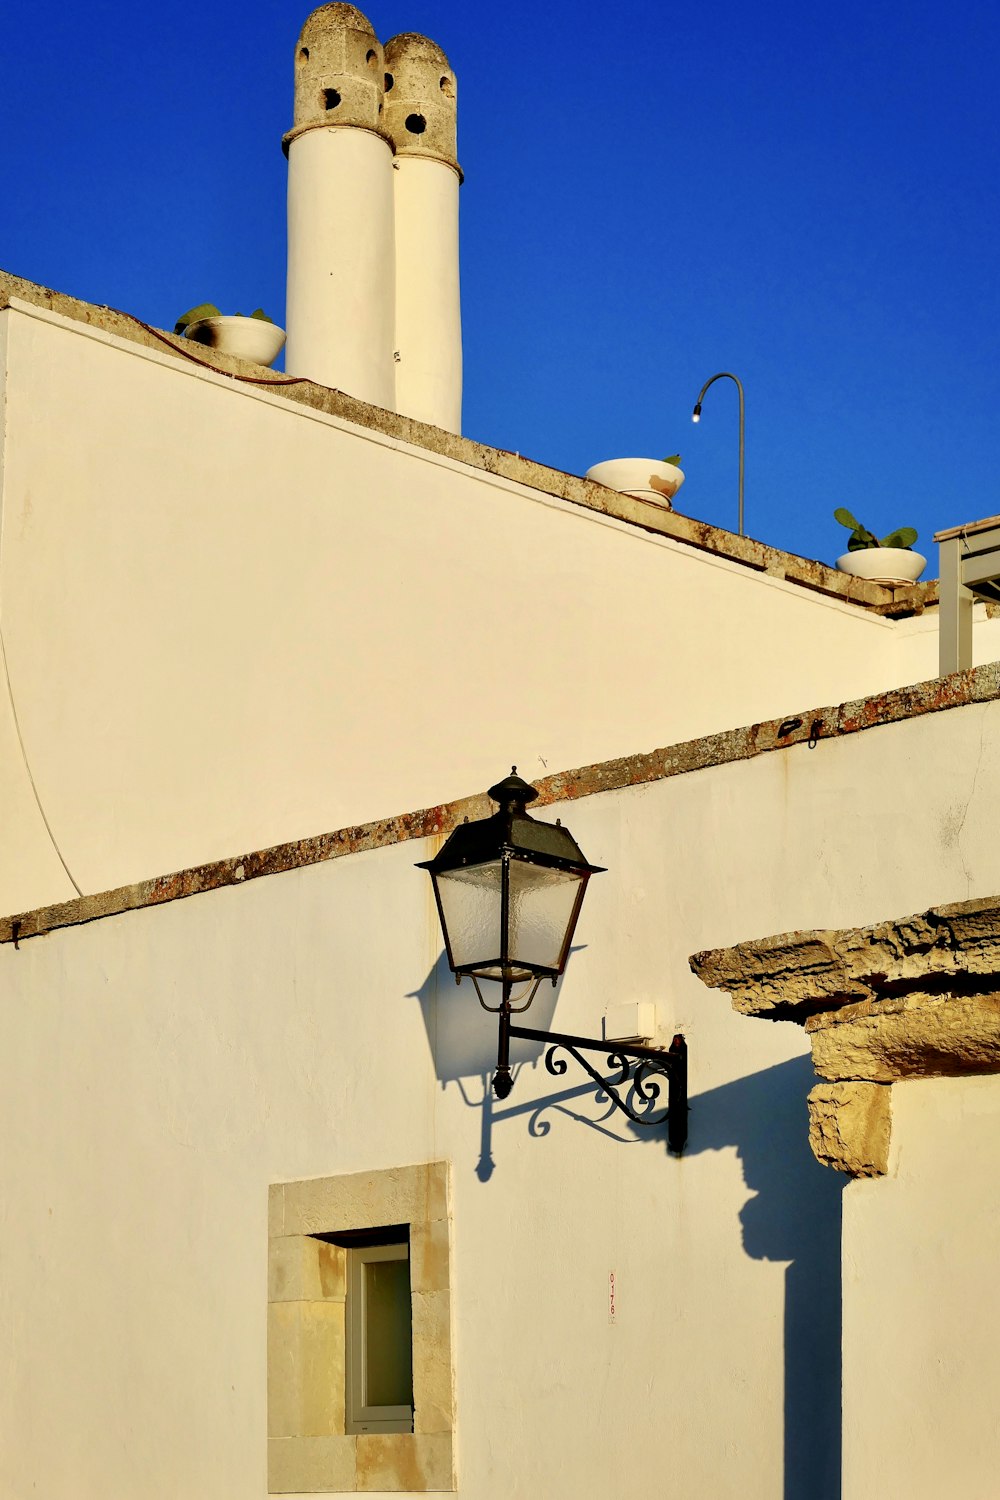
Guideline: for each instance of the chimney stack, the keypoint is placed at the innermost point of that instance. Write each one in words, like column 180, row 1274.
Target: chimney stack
column 373, row 283
column 341, row 268
column 420, row 117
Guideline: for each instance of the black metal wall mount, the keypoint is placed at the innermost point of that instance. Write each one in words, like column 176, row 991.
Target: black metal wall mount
column 637, row 1071
column 635, row 1090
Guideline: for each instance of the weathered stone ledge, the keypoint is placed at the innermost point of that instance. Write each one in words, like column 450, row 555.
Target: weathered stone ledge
column 795, row 975
column 918, row 1035
column 893, row 602
column 805, row 730
column 802, row 731
column 918, row 997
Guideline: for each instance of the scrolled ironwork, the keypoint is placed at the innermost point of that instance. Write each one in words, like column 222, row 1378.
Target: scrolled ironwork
column 630, row 1071
column 650, row 1091
column 635, row 1087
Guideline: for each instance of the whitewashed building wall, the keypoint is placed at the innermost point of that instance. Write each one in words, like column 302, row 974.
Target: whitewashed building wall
column 160, row 1069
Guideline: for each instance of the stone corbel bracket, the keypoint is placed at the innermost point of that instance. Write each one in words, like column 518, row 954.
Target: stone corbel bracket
column 913, row 998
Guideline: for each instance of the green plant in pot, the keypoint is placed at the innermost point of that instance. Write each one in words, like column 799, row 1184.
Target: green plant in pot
column 889, row 559
column 254, row 337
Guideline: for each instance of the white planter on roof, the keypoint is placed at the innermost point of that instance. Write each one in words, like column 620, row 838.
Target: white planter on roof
column 247, row 338
column 645, row 478
column 883, row 564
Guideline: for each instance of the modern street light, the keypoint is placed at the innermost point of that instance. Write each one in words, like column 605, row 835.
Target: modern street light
column 509, row 889
column 696, row 417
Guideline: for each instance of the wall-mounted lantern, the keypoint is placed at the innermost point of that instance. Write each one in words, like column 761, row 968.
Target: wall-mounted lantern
column 509, row 889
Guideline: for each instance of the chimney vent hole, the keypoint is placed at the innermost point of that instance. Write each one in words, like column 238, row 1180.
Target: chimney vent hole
column 303, row 54
column 371, row 58
column 416, row 124
column 447, row 88
column 389, row 81
column 330, row 99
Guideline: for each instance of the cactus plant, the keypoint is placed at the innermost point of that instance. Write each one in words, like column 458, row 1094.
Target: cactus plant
column 861, row 538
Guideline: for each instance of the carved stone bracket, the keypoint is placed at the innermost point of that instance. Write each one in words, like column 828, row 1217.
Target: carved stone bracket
column 849, row 1127
column 913, row 998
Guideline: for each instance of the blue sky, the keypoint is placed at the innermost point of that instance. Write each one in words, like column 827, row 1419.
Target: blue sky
column 806, row 195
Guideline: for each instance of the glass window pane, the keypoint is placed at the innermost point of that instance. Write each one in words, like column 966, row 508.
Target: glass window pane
column 388, row 1364
column 541, row 907
column 470, row 899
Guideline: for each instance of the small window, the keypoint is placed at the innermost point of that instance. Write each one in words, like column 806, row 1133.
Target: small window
column 379, row 1373
column 359, row 1352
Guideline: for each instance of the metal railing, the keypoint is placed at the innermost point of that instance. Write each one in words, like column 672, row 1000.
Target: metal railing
column 969, row 570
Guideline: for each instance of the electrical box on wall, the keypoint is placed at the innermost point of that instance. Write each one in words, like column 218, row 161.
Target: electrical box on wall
column 634, row 1022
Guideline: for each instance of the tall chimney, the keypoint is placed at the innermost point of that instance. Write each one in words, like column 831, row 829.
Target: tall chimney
column 420, row 117
column 341, row 271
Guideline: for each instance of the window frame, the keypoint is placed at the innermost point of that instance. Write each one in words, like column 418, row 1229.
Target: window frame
column 359, row 1415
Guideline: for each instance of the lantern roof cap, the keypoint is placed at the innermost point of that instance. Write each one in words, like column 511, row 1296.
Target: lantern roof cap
column 514, row 789
column 512, row 832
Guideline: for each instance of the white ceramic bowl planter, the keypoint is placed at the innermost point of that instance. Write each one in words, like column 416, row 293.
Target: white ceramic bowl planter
column 247, row 338
column 645, row 478
column 883, row 564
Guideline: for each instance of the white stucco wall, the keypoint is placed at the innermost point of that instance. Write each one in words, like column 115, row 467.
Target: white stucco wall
column 29, row 863
column 159, row 1070
column 227, row 616
column 916, row 638
column 921, row 1314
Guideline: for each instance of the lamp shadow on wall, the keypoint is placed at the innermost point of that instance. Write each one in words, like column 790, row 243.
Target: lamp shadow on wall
column 793, row 1216
column 463, row 1042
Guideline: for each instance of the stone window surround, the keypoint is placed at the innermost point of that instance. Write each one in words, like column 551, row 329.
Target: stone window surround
column 308, row 1449
column 917, row 997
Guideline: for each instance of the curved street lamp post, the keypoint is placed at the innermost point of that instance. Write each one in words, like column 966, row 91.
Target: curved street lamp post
column 696, row 417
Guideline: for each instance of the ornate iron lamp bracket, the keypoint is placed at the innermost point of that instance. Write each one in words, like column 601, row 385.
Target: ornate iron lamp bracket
column 638, row 1069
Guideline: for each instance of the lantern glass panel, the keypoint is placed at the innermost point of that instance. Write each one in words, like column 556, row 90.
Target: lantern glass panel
column 542, row 908
column 470, row 905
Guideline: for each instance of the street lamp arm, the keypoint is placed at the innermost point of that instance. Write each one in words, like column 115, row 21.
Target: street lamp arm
column 696, row 417
column 722, row 375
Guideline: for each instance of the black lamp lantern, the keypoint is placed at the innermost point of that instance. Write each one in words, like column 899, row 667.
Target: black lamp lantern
column 509, row 889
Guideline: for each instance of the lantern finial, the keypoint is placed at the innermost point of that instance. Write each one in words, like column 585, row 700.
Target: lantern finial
column 513, row 791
